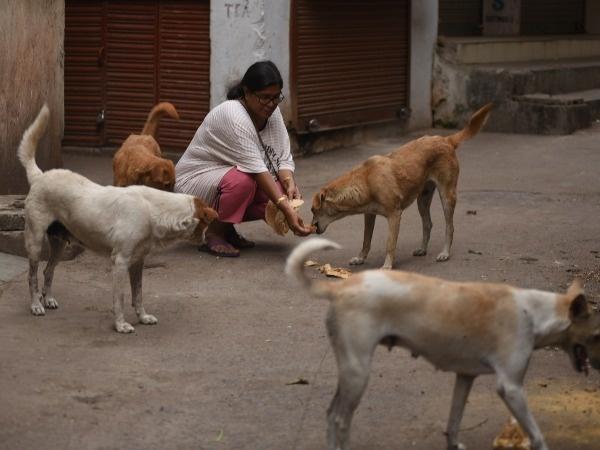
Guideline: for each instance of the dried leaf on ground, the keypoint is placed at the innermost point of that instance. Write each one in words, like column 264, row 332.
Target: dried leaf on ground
column 298, row 381
column 334, row 271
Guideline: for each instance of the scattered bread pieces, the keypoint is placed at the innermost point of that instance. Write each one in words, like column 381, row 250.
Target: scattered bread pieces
column 311, row 263
column 275, row 217
column 334, row 271
column 512, row 437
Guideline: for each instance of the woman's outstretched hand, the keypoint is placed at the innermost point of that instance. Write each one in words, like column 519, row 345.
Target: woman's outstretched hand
column 296, row 223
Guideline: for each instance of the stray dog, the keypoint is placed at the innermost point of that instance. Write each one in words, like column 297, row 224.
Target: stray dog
column 467, row 328
column 139, row 160
column 125, row 223
column 387, row 185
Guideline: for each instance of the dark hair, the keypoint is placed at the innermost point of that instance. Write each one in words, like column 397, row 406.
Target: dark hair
column 258, row 76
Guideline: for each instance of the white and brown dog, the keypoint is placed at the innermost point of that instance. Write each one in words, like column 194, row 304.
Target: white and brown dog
column 125, row 223
column 388, row 184
column 467, row 328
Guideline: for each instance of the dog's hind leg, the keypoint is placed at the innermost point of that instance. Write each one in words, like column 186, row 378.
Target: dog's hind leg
column 34, row 240
column 511, row 392
column 119, row 273
column 462, row 387
column 448, row 198
column 135, row 277
column 368, row 235
column 424, row 204
column 354, row 357
column 57, row 245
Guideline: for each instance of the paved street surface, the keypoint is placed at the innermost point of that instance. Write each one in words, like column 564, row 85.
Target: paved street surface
column 217, row 372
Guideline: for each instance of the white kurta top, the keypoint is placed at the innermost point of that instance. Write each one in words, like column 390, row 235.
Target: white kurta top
column 227, row 138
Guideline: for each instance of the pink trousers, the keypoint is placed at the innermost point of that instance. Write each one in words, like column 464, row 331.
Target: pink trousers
column 240, row 199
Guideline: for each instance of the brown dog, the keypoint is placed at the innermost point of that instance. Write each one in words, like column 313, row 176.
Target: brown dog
column 139, row 159
column 388, row 184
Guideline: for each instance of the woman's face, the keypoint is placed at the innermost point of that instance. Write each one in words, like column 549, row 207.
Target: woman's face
column 262, row 103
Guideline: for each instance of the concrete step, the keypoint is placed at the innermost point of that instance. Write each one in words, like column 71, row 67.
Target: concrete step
column 542, row 113
column 510, row 49
column 12, row 224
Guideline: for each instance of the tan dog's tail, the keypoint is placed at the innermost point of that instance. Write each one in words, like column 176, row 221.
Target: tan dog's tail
column 294, row 265
column 476, row 123
column 162, row 109
column 29, row 143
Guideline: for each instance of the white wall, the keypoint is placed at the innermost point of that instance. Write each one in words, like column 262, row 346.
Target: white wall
column 424, row 24
column 243, row 32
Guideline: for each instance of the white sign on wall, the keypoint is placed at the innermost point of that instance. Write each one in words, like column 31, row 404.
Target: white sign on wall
column 501, row 17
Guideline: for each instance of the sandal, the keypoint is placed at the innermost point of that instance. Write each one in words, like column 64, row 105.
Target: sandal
column 237, row 240
column 218, row 246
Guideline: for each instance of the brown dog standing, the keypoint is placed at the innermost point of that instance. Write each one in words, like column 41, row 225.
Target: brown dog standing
column 139, row 160
column 388, row 184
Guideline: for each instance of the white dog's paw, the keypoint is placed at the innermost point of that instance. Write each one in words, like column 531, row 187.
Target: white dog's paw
column 148, row 319
column 37, row 309
column 50, row 303
column 457, row 447
column 386, row 266
column 443, row 257
column 357, row 261
column 124, row 327
column 420, row 252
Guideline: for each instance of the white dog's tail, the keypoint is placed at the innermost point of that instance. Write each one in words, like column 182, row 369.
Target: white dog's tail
column 160, row 110
column 29, row 143
column 476, row 123
column 295, row 264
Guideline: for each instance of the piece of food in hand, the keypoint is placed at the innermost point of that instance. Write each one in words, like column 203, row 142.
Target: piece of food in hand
column 275, row 217
column 512, row 437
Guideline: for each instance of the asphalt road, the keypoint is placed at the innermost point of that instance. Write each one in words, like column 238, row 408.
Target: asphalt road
column 218, row 370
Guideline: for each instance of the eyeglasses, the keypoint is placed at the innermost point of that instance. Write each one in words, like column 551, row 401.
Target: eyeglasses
column 264, row 100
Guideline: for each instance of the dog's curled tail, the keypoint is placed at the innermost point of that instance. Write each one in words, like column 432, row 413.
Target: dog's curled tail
column 476, row 123
column 160, row 110
column 29, row 143
column 295, row 264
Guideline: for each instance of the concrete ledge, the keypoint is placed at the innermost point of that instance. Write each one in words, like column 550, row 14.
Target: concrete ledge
column 486, row 50
column 12, row 217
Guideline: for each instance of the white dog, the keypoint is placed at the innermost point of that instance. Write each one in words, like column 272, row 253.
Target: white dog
column 125, row 223
column 467, row 328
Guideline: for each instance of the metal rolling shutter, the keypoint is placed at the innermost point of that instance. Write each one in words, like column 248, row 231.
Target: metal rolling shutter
column 183, row 79
column 552, row 16
column 84, row 74
column 131, row 66
column 350, row 62
column 460, row 17
column 124, row 56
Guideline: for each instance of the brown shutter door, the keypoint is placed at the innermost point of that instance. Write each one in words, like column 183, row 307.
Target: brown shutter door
column 460, row 17
column 84, row 85
column 184, row 59
column 552, row 16
column 351, row 61
column 131, row 48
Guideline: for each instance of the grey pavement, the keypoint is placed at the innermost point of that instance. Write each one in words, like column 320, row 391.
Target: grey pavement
column 234, row 334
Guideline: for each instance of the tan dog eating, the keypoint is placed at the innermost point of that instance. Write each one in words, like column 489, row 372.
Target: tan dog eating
column 388, row 184
column 123, row 223
column 467, row 328
column 140, row 161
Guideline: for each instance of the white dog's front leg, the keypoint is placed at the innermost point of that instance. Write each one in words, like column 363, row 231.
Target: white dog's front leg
column 135, row 277
column 513, row 396
column 119, row 272
column 462, row 387
column 368, row 235
column 37, row 309
column 392, row 240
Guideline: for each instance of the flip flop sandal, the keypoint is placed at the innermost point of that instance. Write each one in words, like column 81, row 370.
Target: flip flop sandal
column 237, row 240
column 213, row 243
